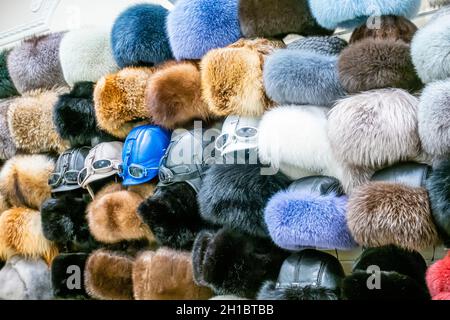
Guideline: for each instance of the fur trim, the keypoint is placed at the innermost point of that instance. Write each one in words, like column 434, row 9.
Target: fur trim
column 119, row 100
column 438, row 277
column 108, row 275
column 7, row 88
column 7, row 146
column 434, row 116
column 430, row 50
column 302, row 77
column 86, row 55
column 24, row 180
column 375, row 129
column 268, row 18
column 196, row 27
column 376, row 64
column 173, row 96
column 353, row 13
column 439, row 3
column 31, row 125
column 269, row 291
column 139, row 36
column 3, row 205
column 166, row 275
column 385, row 213
column 62, row 273
column 222, row 261
column 35, row 63
column 331, row 45
column 307, row 219
column 228, row 189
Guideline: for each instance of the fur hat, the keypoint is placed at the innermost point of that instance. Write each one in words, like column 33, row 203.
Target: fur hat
column 166, row 275
column 232, row 78
column 24, row 279
column 31, row 125
column 268, row 18
column 108, row 275
column 173, row 95
column 401, row 276
column 353, row 13
column 7, row 88
column 7, row 146
column 438, row 279
column 35, row 63
column 68, row 276
column 139, row 36
column 119, row 100
column 198, row 26
column 375, row 129
column 376, row 64
column 24, row 180
column 328, row 45
column 86, row 55
column 228, row 189
column 434, row 116
column 430, row 50
column 222, row 261
column 173, row 216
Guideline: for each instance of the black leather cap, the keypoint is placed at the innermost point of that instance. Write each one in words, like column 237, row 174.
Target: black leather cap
column 70, row 160
column 322, row 184
column 409, row 173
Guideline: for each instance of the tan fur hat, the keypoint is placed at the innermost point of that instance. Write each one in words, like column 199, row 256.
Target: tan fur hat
column 166, row 275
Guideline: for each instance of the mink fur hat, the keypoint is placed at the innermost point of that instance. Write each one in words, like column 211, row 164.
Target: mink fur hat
column 31, row 125
column 86, row 55
column 119, row 100
column 198, row 26
column 173, row 96
column 434, row 117
column 7, row 146
column 233, row 263
column 139, row 36
column 228, row 189
column 310, row 213
column 166, row 275
column 277, row 19
column 35, row 63
column 438, row 279
column 353, row 13
column 68, row 276
column 401, row 276
column 393, row 208
column 25, row 279
column 7, row 88
column 232, row 78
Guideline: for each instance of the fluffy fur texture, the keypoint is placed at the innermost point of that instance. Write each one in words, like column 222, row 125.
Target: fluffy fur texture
column 227, row 191
column 222, row 261
column 7, row 146
column 7, row 88
column 173, row 216
column 139, row 36
column 31, row 125
column 438, row 279
column 166, row 275
column 198, row 26
column 86, row 55
column 302, row 77
column 63, row 282
column 24, row 180
column 355, row 12
column 35, row 63
column 438, row 3
column 119, row 100
column 270, row 291
column 108, row 275
column 376, row 64
column 307, row 219
column 330, row 45
column 375, row 128
column 430, row 50
column 173, row 96
column 434, row 117
column 382, row 213
column 268, row 18
column 232, row 78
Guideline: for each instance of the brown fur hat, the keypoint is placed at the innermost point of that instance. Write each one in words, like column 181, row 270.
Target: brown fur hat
column 381, row 213
column 166, row 275
column 24, row 180
column 232, row 78
column 119, row 100
column 30, row 122
column 107, row 275
column 173, row 95
column 377, row 63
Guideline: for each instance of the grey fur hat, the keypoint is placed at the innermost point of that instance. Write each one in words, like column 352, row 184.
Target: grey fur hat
column 7, row 146
column 330, row 45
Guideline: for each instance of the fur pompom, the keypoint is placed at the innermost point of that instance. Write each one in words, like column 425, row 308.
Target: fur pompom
column 438, row 277
column 63, row 283
column 7, row 88
column 270, row 291
column 7, row 145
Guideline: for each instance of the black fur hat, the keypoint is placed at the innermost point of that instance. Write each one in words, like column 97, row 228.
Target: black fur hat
column 230, row 262
column 401, row 276
column 68, row 276
column 235, row 196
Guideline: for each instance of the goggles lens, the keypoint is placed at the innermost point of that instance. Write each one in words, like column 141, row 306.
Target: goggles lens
column 82, row 176
column 54, row 180
column 221, row 141
column 247, row 132
column 137, row 172
column 102, row 164
column 71, row 177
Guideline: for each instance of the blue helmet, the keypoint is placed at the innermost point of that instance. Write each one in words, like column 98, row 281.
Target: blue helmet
column 142, row 153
